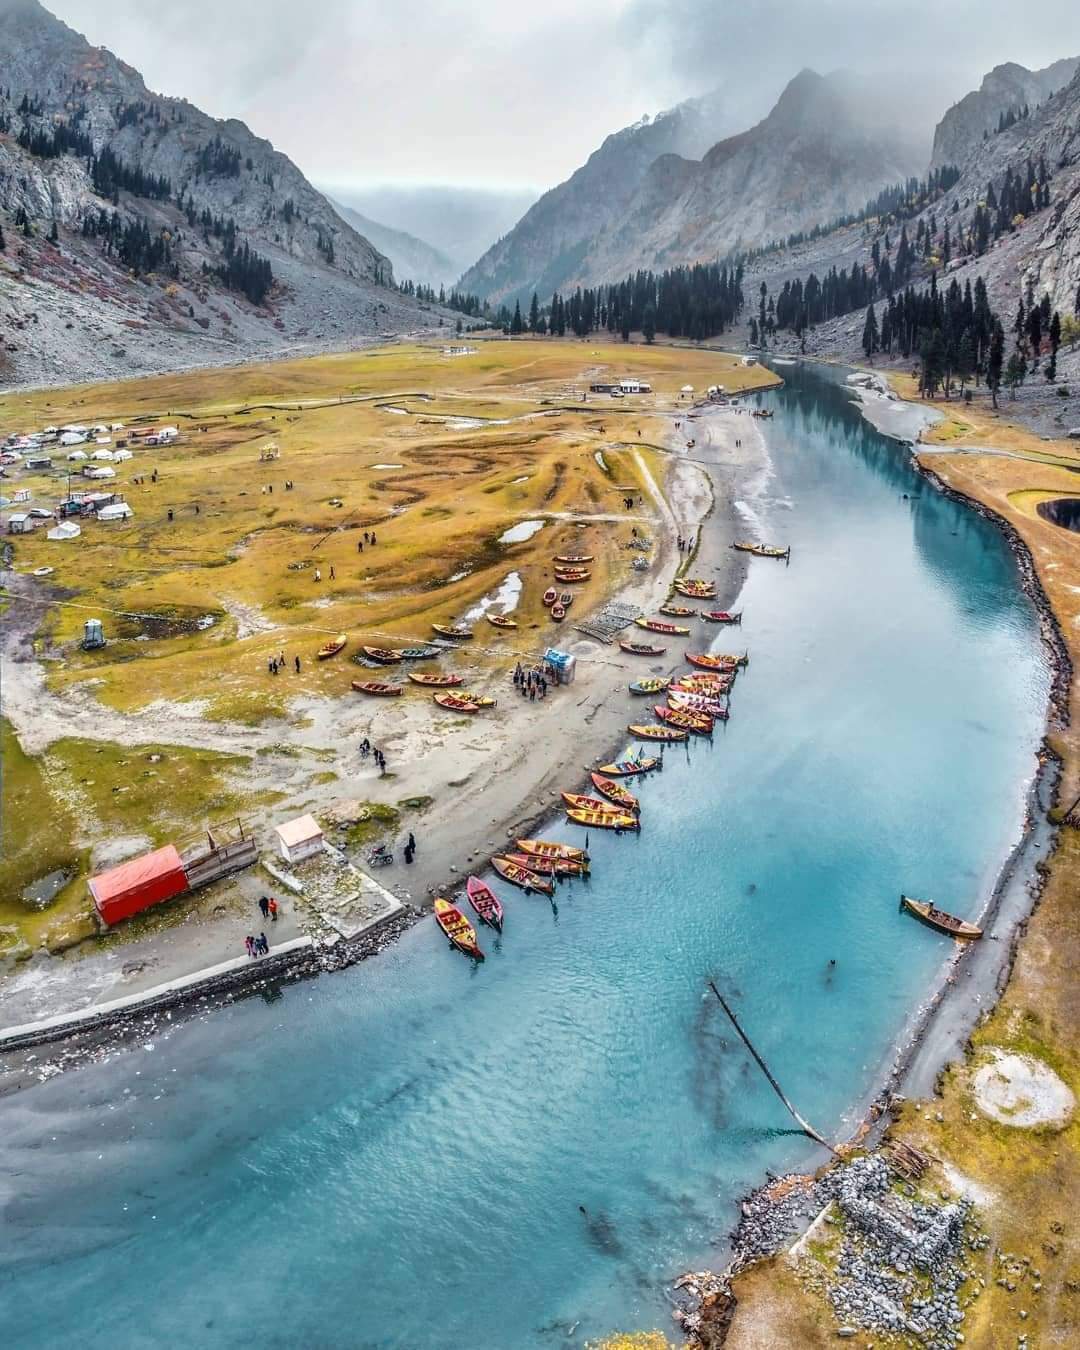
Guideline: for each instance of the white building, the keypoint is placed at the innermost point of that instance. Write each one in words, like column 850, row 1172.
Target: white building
column 300, row 838
column 635, row 387
column 19, row 523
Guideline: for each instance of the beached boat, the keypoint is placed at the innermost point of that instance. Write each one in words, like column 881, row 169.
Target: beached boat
column 696, row 589
column 377, row 687
column 332, row 647
column 550, row 867
column 457, row 928
column 706, row 661
column 678, row 611
column 641, row 648
column 573, row 559
column 658, row 626
column 578, row 801
column 706, row 679
column 419, row 653
column 566, row 599
column 524, row 877
column 558, row 613
column 486, row 903
column 699, row 703
column 762, row 550
column 547, row 848
column 500, row 621
column 631, row 768
column 572, row 578
column 550, row 596
column 653, row 686
column 653, row 733
column 481, row 700
column 456, row 703
column 615, row 792
column 449, row 631
column 721, row 616
column 384, row 655
column 928, row 912
column 435, row 679
column 604, row 820
column 699, row 723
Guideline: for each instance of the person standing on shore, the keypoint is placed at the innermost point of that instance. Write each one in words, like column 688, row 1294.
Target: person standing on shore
column 264, row 905
column 249, row 945
column 411, row 845
column 272, row 909
column 264, row 944
column 297, row 665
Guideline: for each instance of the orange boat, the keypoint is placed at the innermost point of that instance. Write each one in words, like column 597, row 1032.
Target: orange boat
column 615, row 792
column 705, row 680
column 385, row 656
column 448, row 631
column 455, row 703
column 550, row 867
column 332, row 647
column 652, row 733
column 524, row 877
column 500, row 621
column 657, row 626
column 697, row 590
column 546, row 848
column 436, row 680
column 604, row 820
column 377, row 687
column 698, row 723
column 457, row 928
column 641, row 649
column 573, row 559
column 577, row 801
column 705, row 661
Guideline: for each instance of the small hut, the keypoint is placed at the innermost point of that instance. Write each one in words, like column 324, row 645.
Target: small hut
column 300, row 838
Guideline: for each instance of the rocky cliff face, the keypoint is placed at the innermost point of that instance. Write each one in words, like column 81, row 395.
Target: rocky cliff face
column 1006, row 89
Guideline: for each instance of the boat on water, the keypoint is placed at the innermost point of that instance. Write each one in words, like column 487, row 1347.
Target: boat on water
column 546, row 848
column 695, row 588
column 486, row 903
column 699, row 703
column 658, row 626
column 641, row 649
column 385, row 656
column 558, row 612
column 456, row 703
column 332, row 647
column 678, row 611
column 631, row 768
column 550, row 596
column 721, row 616
column 615, row 792
column 524, row 877
column 573, row 559
column 711, row 682
column 654, row 686
column 762, row 550
column 436, row 679
column 603, row 820
column 550, row 867
column 707, row 661
column 500, row 621
column 578, row 801
column 449, row 631
column 458, row 929
column 654, row 733
column 377, row 687
column 699, row 723
column 929, row 913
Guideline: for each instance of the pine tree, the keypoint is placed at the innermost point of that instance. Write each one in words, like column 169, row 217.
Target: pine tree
column 1055, row 343
column 3, row 241
column 53, row 235
column 515, row 322
column 994, row 362
column 870, row 336
column 648, row 322
column 534, row 314
column 1015, row 372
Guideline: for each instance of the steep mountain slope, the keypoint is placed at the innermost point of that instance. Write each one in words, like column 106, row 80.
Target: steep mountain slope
column 549, row 247
column 411, row 258
column 189, row 231
column 1005, row 90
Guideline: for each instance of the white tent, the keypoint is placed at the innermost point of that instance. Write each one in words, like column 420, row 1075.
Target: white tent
column 77, row 454
column 102, row 454
column 103, row 440
column 688, row 389
column 120, row 455
column 115, row 511
column 67, row 529
column 73, row 438
column 103, row 472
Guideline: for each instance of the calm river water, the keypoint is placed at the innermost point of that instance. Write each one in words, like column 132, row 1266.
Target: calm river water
column 395, row 1156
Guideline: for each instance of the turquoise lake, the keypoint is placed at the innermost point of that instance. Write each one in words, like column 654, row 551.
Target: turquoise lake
column 395, row 1156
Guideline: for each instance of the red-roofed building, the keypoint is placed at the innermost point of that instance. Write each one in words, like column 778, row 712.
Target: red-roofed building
column 139, row 884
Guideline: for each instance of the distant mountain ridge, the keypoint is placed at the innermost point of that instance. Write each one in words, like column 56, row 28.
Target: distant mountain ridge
column 413, row 259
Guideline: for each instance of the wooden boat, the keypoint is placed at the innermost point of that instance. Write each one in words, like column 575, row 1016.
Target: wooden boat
column 455, row 634
column 652, row 733
column 641, row 648
column 697, row 590
column 456, row 703
column 481, row 700
column 566, row 599
column 546, row 848
column 603, row 820
column 558, row 612
column 630, row 768
column 377, row 687
column 550, row 596
column 436, row 679
column 457, row 928
column 573, row 559
column 486, row 903
column 706, row 661
column 654, row 686
column 762, row 550
column 384, row 655
column 332, row 647
column 928, row 912
column 524, row 877
column 550, row 867
column 721, row 616
column 657, row 626
column 419, row 653
column 678, row 611
column 572, row 578
column 500, row 621
column 703, row 681
column 698, row 703
column 615, row 792
column 577, row 801
column 699, row 723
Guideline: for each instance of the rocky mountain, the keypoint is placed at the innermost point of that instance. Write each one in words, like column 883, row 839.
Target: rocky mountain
column 549, row 247
column 1005, row 91
column 412, row 259
column 645, row 201
column 127, row 213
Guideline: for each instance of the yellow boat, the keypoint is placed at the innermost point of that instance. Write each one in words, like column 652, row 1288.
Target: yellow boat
column 547, row 848
column 603, row 820
column 657, row 733
column 928, row 912
column 500, row 621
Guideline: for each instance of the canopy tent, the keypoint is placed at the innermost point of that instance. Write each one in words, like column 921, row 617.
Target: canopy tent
column 67, row 529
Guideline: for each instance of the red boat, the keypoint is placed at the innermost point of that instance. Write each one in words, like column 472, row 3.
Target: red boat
column 615, row 792
column 685, row 720
column 551, row 595
column 698, row 703
column 457, row 928
column 721, row 616
column 486, row 903
column 705, row 661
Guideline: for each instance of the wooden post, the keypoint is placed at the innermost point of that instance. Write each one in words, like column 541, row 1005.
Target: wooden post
column 803, row 1125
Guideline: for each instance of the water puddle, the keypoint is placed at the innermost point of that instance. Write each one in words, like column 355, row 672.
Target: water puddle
column 524, row 529
column 386, row 466
column 505, row 599
column 1063, row 511
column 41, row 893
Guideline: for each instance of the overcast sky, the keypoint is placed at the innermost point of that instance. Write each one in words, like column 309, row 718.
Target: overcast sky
column 498, row 92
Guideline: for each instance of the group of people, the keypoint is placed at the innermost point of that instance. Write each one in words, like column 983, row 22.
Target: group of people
column 628, row 503
column 269, row 907
column 684, row 544
column 257, row 946
column 369, row 538
column 531, row 684
column 276, row 664
column 366, row 748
